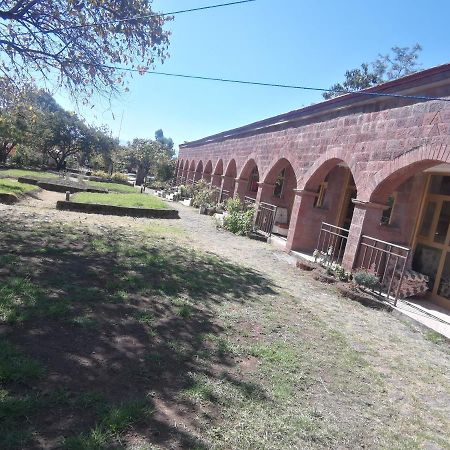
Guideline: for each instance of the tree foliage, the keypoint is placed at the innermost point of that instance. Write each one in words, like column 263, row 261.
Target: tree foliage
column 400, row 62
column 80, row 42
column 34, row 122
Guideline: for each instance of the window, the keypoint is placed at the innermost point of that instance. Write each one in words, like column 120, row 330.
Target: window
column 320, row 197
column 386, row 217
column 278, row 189
column 254, row 180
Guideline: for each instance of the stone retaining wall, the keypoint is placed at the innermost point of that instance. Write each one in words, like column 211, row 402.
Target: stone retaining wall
column 95, row 208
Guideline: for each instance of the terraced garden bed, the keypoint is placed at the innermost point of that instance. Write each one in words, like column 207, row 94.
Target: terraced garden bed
column 134, row 205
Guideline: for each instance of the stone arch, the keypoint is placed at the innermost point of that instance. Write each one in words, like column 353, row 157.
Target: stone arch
column 247, row 168
column 229, row 179
column 397, row 171
column 278, row 188
column 231, row 170
column 192, row 166
column 207, row 171
column 218, row 169
column 327, row 191
column 199, row 167
column 208, row 167
column 275, row 168
column 321, row 166
column 279, row 160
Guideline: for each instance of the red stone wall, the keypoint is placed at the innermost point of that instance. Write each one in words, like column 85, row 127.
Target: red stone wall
column 386, row 143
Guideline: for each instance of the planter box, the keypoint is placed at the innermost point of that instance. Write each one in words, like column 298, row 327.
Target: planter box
column 96, row 208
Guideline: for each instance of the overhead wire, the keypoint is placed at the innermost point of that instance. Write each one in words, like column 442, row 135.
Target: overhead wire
column 278, row 85
column 141, row 17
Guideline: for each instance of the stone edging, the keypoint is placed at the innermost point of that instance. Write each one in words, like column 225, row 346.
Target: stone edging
column 96, row 208
column 49, row 185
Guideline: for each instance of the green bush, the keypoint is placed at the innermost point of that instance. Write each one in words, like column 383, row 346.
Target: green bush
column 239, row 220
column 117, row 176
column 341, row 274
column 205, row 197
column 367, row 279
column 100, row 174
column 234, row 205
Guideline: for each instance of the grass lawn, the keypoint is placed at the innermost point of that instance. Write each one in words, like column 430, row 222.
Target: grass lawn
column 16, row 173
column 14, row 187
column 136, row 200
column 128, row 337
column 115, row 187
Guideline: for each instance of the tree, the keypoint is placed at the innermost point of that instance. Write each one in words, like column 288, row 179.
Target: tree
column 164, row 141
column 80, row 42
column 13, row 129
column 145, row 154
column 402, row 61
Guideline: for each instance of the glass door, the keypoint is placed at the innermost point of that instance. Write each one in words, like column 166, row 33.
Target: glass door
column 432, row 252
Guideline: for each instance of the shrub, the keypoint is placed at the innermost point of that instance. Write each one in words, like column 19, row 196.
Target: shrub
column 100, row 174
column 206, row 197
column 234, row 205
column 117, row 176
column 238, row 220
column 367, row 279
column 341, row 274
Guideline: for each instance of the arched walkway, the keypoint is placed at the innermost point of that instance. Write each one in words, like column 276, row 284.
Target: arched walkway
column 229, row 181
column 326, row 197
column 207, row 172
column 216, row 179
column 247, row 183
column 278, row 188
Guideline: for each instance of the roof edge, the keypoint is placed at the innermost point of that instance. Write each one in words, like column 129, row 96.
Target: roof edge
column 324, row 106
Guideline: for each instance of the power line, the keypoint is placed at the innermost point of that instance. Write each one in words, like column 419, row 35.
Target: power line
column 129, row 19
column 278, row 85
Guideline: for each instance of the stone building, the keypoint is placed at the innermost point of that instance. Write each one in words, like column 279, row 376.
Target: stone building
column 375, row 166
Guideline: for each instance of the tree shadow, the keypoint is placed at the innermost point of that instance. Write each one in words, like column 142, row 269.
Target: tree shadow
column 126, row 316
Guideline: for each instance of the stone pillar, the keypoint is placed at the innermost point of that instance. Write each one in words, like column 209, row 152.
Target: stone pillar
column 365, row 221
column 216, row 181
column 190, row 177
column 301, row 236
column 265, row 192
column 240, row 188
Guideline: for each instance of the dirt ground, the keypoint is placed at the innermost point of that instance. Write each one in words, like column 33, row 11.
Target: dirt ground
column 345, row 375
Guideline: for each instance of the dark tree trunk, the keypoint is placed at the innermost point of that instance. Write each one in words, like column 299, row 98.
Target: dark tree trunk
column 141, row 173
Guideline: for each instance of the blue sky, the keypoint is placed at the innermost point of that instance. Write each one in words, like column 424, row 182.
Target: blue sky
column 297, row 42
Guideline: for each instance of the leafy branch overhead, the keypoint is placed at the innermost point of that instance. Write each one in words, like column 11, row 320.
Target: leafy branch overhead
column 56, row 40
column 400, row 62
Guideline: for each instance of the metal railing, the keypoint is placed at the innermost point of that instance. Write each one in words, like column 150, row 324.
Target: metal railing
column 331, row 243
column 224, row 195
column 385, row 260
column 265, row 218
column 249, row 201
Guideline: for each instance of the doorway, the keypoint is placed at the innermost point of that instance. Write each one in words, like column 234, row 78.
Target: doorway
column 432, row 246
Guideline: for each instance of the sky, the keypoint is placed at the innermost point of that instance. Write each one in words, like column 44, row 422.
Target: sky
column 299, row 42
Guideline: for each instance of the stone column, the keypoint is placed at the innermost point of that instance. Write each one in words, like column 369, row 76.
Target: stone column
column 240, row 188
column 365, row 221
column 301, row 236
column 265, row 192
column 216, row 181
column 190, row 177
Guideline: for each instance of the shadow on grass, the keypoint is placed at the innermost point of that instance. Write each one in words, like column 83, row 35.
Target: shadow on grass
column 126, row 317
